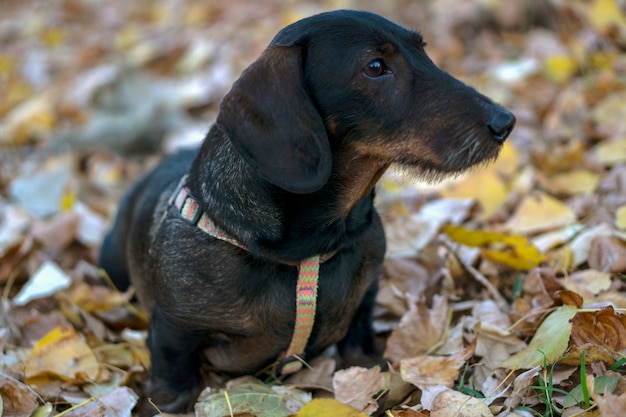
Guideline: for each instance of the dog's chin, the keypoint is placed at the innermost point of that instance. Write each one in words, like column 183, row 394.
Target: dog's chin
column 432, row 172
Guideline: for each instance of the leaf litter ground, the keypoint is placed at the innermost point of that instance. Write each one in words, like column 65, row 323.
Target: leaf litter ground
column 502, row 291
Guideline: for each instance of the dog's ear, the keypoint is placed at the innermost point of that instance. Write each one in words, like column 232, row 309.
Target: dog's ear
column 271, row 121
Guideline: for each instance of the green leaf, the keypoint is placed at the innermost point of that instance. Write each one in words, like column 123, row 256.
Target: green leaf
column 253, row 398
column 551, row 339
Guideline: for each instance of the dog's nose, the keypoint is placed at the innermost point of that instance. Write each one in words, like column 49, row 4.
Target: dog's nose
column 501, row 124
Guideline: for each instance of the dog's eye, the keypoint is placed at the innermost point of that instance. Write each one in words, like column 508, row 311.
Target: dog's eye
column 376, row 68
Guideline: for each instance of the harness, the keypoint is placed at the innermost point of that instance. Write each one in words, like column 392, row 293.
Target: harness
column 306, row 287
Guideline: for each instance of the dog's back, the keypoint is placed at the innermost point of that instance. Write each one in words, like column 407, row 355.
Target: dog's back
column 113, row 253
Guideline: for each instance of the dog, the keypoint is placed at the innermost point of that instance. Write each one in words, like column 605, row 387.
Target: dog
column 287, row 174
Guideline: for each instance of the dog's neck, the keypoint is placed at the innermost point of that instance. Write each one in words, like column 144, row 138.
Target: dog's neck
column 273, row 222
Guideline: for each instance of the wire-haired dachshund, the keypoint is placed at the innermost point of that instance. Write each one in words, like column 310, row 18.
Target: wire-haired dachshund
column 285, row 175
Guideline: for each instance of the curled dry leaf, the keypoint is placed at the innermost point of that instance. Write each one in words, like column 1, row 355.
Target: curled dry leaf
column 117, row 403
column 17, row 398
column 419, row 330
column 426, row 370
column 611, row 405
column 357, row 387
column 605, row 328
column 454, row 403
column 608, row 254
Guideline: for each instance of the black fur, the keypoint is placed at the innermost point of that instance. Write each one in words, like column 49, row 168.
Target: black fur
column 289, row 169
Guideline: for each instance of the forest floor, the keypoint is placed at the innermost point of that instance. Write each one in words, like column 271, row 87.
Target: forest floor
column 502, row 292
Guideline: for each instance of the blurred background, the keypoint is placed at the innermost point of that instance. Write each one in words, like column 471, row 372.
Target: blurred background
column 94, row 92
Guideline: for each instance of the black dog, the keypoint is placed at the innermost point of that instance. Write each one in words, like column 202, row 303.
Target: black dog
column 288, row 172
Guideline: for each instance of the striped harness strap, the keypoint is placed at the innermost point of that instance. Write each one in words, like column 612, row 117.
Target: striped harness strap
column 306, row 288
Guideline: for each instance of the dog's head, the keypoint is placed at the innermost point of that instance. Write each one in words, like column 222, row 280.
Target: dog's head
column 352, row 80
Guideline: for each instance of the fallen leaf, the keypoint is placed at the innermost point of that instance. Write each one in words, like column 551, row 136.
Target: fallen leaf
column 620, row 217
column 485, row 187
column 117, row 403
column 63, row 354
column 454, row 403
column 574, row 182
column 605, row 328
column 357, row 387
column 14, row 222
column 246, row 395
column 587, row 283
column 426, row 370
column 48, row 279
column 611, row 405
column 560, row 68
column 611, row 152
column 581, row 244
column 604, row 15
column 548, row 343
column 521, row 387
column 607, row 254
column 18, row 398
column 419, row 330
column 326, row 407
column 512, row 250
column 539, row 212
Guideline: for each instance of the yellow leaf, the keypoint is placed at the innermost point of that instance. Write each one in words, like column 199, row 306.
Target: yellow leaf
column 560, row 68
column 485, row 187
column 575, row 182
column 63, row 354
column 620, row 217
column 539, row 212
column 511, row 250
column 587, row 283
column 604, row 15
column 7, row 64
column 53, row 37
column 326, row 407
column 611, row 152
column 508, row 160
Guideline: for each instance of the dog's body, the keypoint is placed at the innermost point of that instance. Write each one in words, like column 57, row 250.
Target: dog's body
column 288, row 170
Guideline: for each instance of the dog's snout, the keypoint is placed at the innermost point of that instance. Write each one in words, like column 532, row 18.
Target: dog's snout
column 501, row 124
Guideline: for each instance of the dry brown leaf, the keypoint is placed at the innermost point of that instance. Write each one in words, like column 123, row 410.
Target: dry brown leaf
column 454, row 403
column 570, row 298
column 605, row 328
column 607, row 254
column 426, row 370
column 419, row 330
column 587, row 283
column 521, row 387
column 611, row 405
column 117, row 403
column 357, row 387
column 494, row 345
column 17, row 398
column 581, row 245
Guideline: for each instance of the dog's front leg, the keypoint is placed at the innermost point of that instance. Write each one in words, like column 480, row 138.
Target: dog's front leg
column 175, row 362
column 358, row 347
